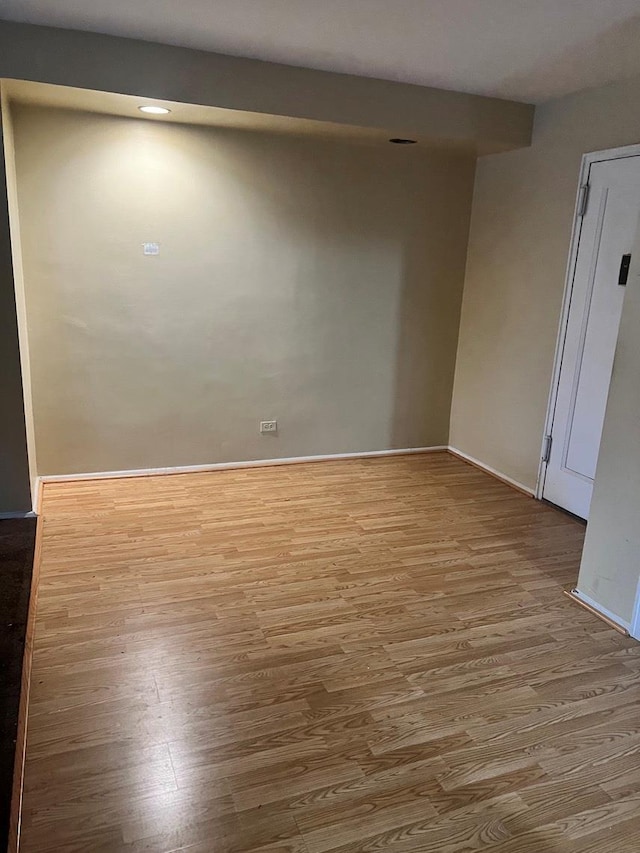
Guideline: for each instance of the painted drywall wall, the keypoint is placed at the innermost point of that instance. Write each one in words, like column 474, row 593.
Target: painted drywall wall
column 610, row 567
column 15, row 493
column 315, row 283
column 518, row 247
column 128, row 66
column 104, row 63
column 18, row 278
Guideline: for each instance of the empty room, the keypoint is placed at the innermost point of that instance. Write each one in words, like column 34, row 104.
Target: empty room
column 320, row 434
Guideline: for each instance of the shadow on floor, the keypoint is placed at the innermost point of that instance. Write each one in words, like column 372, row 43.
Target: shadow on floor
column 17, row 538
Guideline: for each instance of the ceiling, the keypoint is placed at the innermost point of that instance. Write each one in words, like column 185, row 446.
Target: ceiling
column 527, row 50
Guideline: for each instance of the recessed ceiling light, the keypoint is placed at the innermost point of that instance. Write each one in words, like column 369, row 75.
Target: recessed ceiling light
column 154, row 111
column 400, row 141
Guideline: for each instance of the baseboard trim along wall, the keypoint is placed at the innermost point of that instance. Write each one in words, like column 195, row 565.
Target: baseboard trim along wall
column 489, row 470
column 634, row 628
column 225, row 466
column 264, row 463
column 598, row 610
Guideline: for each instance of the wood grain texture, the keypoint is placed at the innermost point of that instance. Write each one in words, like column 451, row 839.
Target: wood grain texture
column 367, row 655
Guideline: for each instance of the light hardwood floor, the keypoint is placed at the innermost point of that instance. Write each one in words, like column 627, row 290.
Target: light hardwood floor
column 369, row 655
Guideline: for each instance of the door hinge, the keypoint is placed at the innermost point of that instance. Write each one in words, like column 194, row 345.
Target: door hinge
column 546, row 450
column 583, row 201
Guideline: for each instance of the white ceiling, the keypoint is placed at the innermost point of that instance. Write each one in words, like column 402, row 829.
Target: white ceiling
column 528, row 50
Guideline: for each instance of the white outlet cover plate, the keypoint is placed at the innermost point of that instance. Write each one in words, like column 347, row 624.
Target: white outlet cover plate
column 268, row 426
column 151, row 248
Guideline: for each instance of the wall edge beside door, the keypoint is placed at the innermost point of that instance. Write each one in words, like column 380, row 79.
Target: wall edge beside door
column 515, row 484
column 597, row 609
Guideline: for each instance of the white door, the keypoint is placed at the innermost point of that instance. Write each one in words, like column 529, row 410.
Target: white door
column 606, row 237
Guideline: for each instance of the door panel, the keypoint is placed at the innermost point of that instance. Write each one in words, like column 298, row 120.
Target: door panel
column 607, row 233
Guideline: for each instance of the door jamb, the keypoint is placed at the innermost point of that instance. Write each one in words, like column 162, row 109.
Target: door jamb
column 587, row 161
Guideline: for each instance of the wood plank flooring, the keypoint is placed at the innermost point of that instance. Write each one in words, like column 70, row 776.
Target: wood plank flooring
column 368, row 655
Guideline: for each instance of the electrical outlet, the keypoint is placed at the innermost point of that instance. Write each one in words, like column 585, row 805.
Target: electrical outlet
column 268, row 426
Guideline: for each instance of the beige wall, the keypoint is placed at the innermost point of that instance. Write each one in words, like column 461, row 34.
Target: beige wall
column 610, row 566
column 15, row 493
column 313, row 282
column 519, row 242
column 104, row 63
column 24, row 413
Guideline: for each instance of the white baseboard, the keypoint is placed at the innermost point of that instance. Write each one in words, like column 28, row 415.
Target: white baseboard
column 498, row 474
column 37, row 495
column 264, row 463
column 612, row 617
column 29, row 514
column 226, row 466
column 634, row 628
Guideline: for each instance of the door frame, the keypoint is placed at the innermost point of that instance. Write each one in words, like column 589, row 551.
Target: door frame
column 587, row 161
